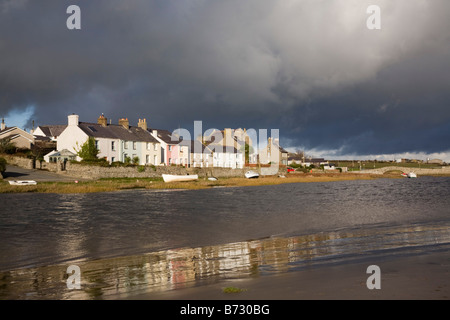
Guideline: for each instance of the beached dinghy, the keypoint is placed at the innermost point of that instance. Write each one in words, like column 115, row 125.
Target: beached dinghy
column 178, row 178
column 251, row 175
column 412, row 175
column 22, row 182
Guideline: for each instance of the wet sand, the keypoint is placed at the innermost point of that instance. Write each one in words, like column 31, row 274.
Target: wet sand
column 421, row 277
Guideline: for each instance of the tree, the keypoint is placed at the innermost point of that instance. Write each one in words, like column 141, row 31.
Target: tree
column 88, row 150
column 6, row 146
column 247, row 150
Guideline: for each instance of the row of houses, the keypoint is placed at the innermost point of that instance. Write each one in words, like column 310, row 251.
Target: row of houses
column 123, row 142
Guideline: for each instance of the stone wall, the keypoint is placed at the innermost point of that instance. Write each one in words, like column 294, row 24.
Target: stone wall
column 19, row 161
column 49, row 166
column 95, row 172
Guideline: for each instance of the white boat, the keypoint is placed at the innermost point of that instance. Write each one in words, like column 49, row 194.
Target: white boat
column 412, row 175
column 178, row 178
column 212, row 179
column 22, row 182
column 251, row 175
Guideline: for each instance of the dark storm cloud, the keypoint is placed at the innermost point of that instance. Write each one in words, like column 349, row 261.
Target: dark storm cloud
column 310, row 68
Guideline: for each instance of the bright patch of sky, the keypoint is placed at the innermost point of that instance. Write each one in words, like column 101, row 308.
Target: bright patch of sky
column 20, row 117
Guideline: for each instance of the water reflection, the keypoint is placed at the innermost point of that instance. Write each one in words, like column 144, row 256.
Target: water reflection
column 122, row 277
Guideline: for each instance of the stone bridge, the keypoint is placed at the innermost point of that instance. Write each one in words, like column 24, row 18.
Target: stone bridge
column 419, row 171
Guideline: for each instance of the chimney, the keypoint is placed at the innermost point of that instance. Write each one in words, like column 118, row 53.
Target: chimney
column 32, row 129
column 102, row 120
column 124, row 122
column 142, row 124
column 3, row 127
column 73, row 120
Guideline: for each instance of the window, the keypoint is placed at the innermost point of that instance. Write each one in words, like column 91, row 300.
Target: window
column 170, row 148
column 148, row 145
column 155, row 159
column 170, row 161
column 155, row 147
column 113, row 159
column 125, row 144
column 147, row 158
column 96, row 144
column 112, row 146
column 134, row 145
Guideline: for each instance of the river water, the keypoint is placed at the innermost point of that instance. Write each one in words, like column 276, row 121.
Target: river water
column 139, row 241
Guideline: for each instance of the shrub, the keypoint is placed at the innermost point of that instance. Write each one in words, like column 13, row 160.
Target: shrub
column 2, row 165
column 140, row 168
column 135, row 160
column 6, row 146
column 88, row 150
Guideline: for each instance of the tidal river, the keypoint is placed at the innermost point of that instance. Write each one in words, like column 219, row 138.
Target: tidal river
column 137, row 241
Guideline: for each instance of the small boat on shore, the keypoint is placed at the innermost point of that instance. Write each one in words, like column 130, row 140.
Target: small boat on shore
column 411, row 175
column 251, row 175
column 22, row 182
column 212, row 179
column 179, row 178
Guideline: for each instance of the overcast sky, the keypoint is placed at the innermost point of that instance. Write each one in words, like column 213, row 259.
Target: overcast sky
column 310, row 68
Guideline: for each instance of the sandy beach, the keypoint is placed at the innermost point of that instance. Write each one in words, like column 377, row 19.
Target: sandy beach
column 421, row 277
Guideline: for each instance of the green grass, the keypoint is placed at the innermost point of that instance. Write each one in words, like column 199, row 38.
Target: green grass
column 232, row 290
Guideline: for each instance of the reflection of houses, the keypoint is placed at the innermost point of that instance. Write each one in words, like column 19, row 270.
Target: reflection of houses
column 115, row 142
column 20, row 138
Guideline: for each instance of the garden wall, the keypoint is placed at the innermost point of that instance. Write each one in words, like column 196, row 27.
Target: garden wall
column 95, row 172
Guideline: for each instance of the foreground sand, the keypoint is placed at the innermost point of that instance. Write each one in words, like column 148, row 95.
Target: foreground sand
column 411, row 277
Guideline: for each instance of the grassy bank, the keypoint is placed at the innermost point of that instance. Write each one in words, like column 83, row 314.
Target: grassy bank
column 116, row 184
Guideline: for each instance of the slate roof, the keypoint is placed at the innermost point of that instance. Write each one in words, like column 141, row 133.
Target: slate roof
column 53, row 130
column 218, row 148
column 116, row 131
column 193, row 145
column 166, row 136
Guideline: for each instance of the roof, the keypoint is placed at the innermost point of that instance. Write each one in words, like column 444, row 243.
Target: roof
column 166, row 136
column 116, row 131
column 14, row 132
column 53, row 130
column 62, row 153
column 218, row 148
column 193, row 145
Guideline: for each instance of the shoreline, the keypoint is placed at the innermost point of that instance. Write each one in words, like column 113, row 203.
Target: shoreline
column 119, row 184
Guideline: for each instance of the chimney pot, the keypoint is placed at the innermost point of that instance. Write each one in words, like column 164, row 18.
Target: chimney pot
column 142, row 124
column 124, row 122
column 102, row 120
